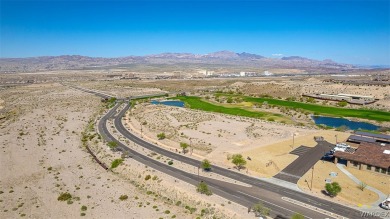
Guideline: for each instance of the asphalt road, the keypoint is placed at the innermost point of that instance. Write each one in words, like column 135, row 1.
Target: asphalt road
column 268, row 193
column 246, row 196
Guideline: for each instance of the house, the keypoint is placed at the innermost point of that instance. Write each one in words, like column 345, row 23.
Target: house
column 368, row 156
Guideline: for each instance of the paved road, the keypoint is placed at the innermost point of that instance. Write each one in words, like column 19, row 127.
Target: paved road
column 265, row 191
column 295, row 170
column 270, row 194
column 245, row 196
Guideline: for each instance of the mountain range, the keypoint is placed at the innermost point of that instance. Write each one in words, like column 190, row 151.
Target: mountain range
column 220, row 58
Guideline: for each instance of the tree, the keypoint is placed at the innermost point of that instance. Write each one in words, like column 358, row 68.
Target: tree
column 239, row 161
column 229, row 100
column 184, row 146
column 260, row 210
column 362, row 185
column 203, row 188
column 206, row 165
column 333, row 188
column 161, row 136
column 297, row 216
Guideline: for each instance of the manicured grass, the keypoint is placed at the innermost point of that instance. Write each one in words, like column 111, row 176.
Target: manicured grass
column 198, row 103
column 325, row 110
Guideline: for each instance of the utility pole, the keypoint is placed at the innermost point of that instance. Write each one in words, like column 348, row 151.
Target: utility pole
column 336, row 138
column 312, row 173
column 293, row 140
column 141, row 129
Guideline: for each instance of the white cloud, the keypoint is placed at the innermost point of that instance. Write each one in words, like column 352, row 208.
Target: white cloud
column 277, row 54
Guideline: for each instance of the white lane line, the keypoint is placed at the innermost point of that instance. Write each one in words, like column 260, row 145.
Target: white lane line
column 313, row 208
column 272, row 204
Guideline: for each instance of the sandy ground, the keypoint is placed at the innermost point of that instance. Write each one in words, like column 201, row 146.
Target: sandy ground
column 41, row 157
column 211, row 135
column 121, row 89
column 269, row 160
column 350, row 192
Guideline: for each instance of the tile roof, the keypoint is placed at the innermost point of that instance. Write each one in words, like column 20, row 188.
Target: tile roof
column 368, row 153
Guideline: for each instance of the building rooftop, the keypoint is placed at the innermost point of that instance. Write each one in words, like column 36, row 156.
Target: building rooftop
column 368, row 153
column 373, row 135
column 357, row 138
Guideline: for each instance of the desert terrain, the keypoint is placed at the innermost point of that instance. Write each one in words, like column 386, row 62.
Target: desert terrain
column 44, row 122
column 42, row 156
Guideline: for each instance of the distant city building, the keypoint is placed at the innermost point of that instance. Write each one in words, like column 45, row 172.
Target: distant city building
column 350, row 98
column 267, row 73
column 206, row 73
column 242, row 74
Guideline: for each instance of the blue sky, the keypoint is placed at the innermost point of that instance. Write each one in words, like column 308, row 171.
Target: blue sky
column 349, row 31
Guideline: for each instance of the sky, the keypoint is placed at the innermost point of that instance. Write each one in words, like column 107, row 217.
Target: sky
column 347, row 31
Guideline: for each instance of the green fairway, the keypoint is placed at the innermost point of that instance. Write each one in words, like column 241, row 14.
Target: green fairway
column 198, row 103
column 325, row 110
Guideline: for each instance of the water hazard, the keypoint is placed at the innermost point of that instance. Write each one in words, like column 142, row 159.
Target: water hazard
column 177, row 103
column 337, row 122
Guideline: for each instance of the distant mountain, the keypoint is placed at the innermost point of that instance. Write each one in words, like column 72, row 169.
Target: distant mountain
column 295, row 58
column 220, row 58
column 249, row 56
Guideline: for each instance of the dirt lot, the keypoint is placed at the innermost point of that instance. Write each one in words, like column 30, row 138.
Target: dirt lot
column 42, row 157
column 350, row 192
column 211, row 135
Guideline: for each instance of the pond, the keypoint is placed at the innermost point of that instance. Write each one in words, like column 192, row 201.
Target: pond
column 337, row 122
column 177, row 103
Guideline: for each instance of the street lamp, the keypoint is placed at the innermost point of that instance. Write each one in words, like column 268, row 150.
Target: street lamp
column 312, row 173
column 191, row 151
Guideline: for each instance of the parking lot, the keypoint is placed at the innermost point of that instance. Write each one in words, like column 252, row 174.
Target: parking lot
column 294, row 171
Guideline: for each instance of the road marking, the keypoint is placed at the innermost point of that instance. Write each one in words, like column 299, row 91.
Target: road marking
column 322, row 211
column 272, row 203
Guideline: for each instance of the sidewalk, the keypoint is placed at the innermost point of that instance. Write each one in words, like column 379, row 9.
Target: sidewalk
column 381, row 195
column 283, row 183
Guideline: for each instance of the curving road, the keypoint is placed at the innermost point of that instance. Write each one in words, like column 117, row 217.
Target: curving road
column 267, row 192
column 273, row 196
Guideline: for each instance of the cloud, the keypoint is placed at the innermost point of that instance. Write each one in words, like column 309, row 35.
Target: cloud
column 277, row 54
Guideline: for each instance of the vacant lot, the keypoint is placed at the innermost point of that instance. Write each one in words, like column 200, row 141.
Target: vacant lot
column 350, row 192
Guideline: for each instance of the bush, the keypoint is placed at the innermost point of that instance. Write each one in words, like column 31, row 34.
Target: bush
column 203, row 189
column 333, row 188
column 161, row 136
column 64, row 196
column 82, row 214
column 170, row 162
column 123, row 197
column 167, row 212
column 147, row 177
column 116, row 163
column 342, row 103
column 260, row 210
column 297, row 216
column 112, row 144
column 84, row 208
